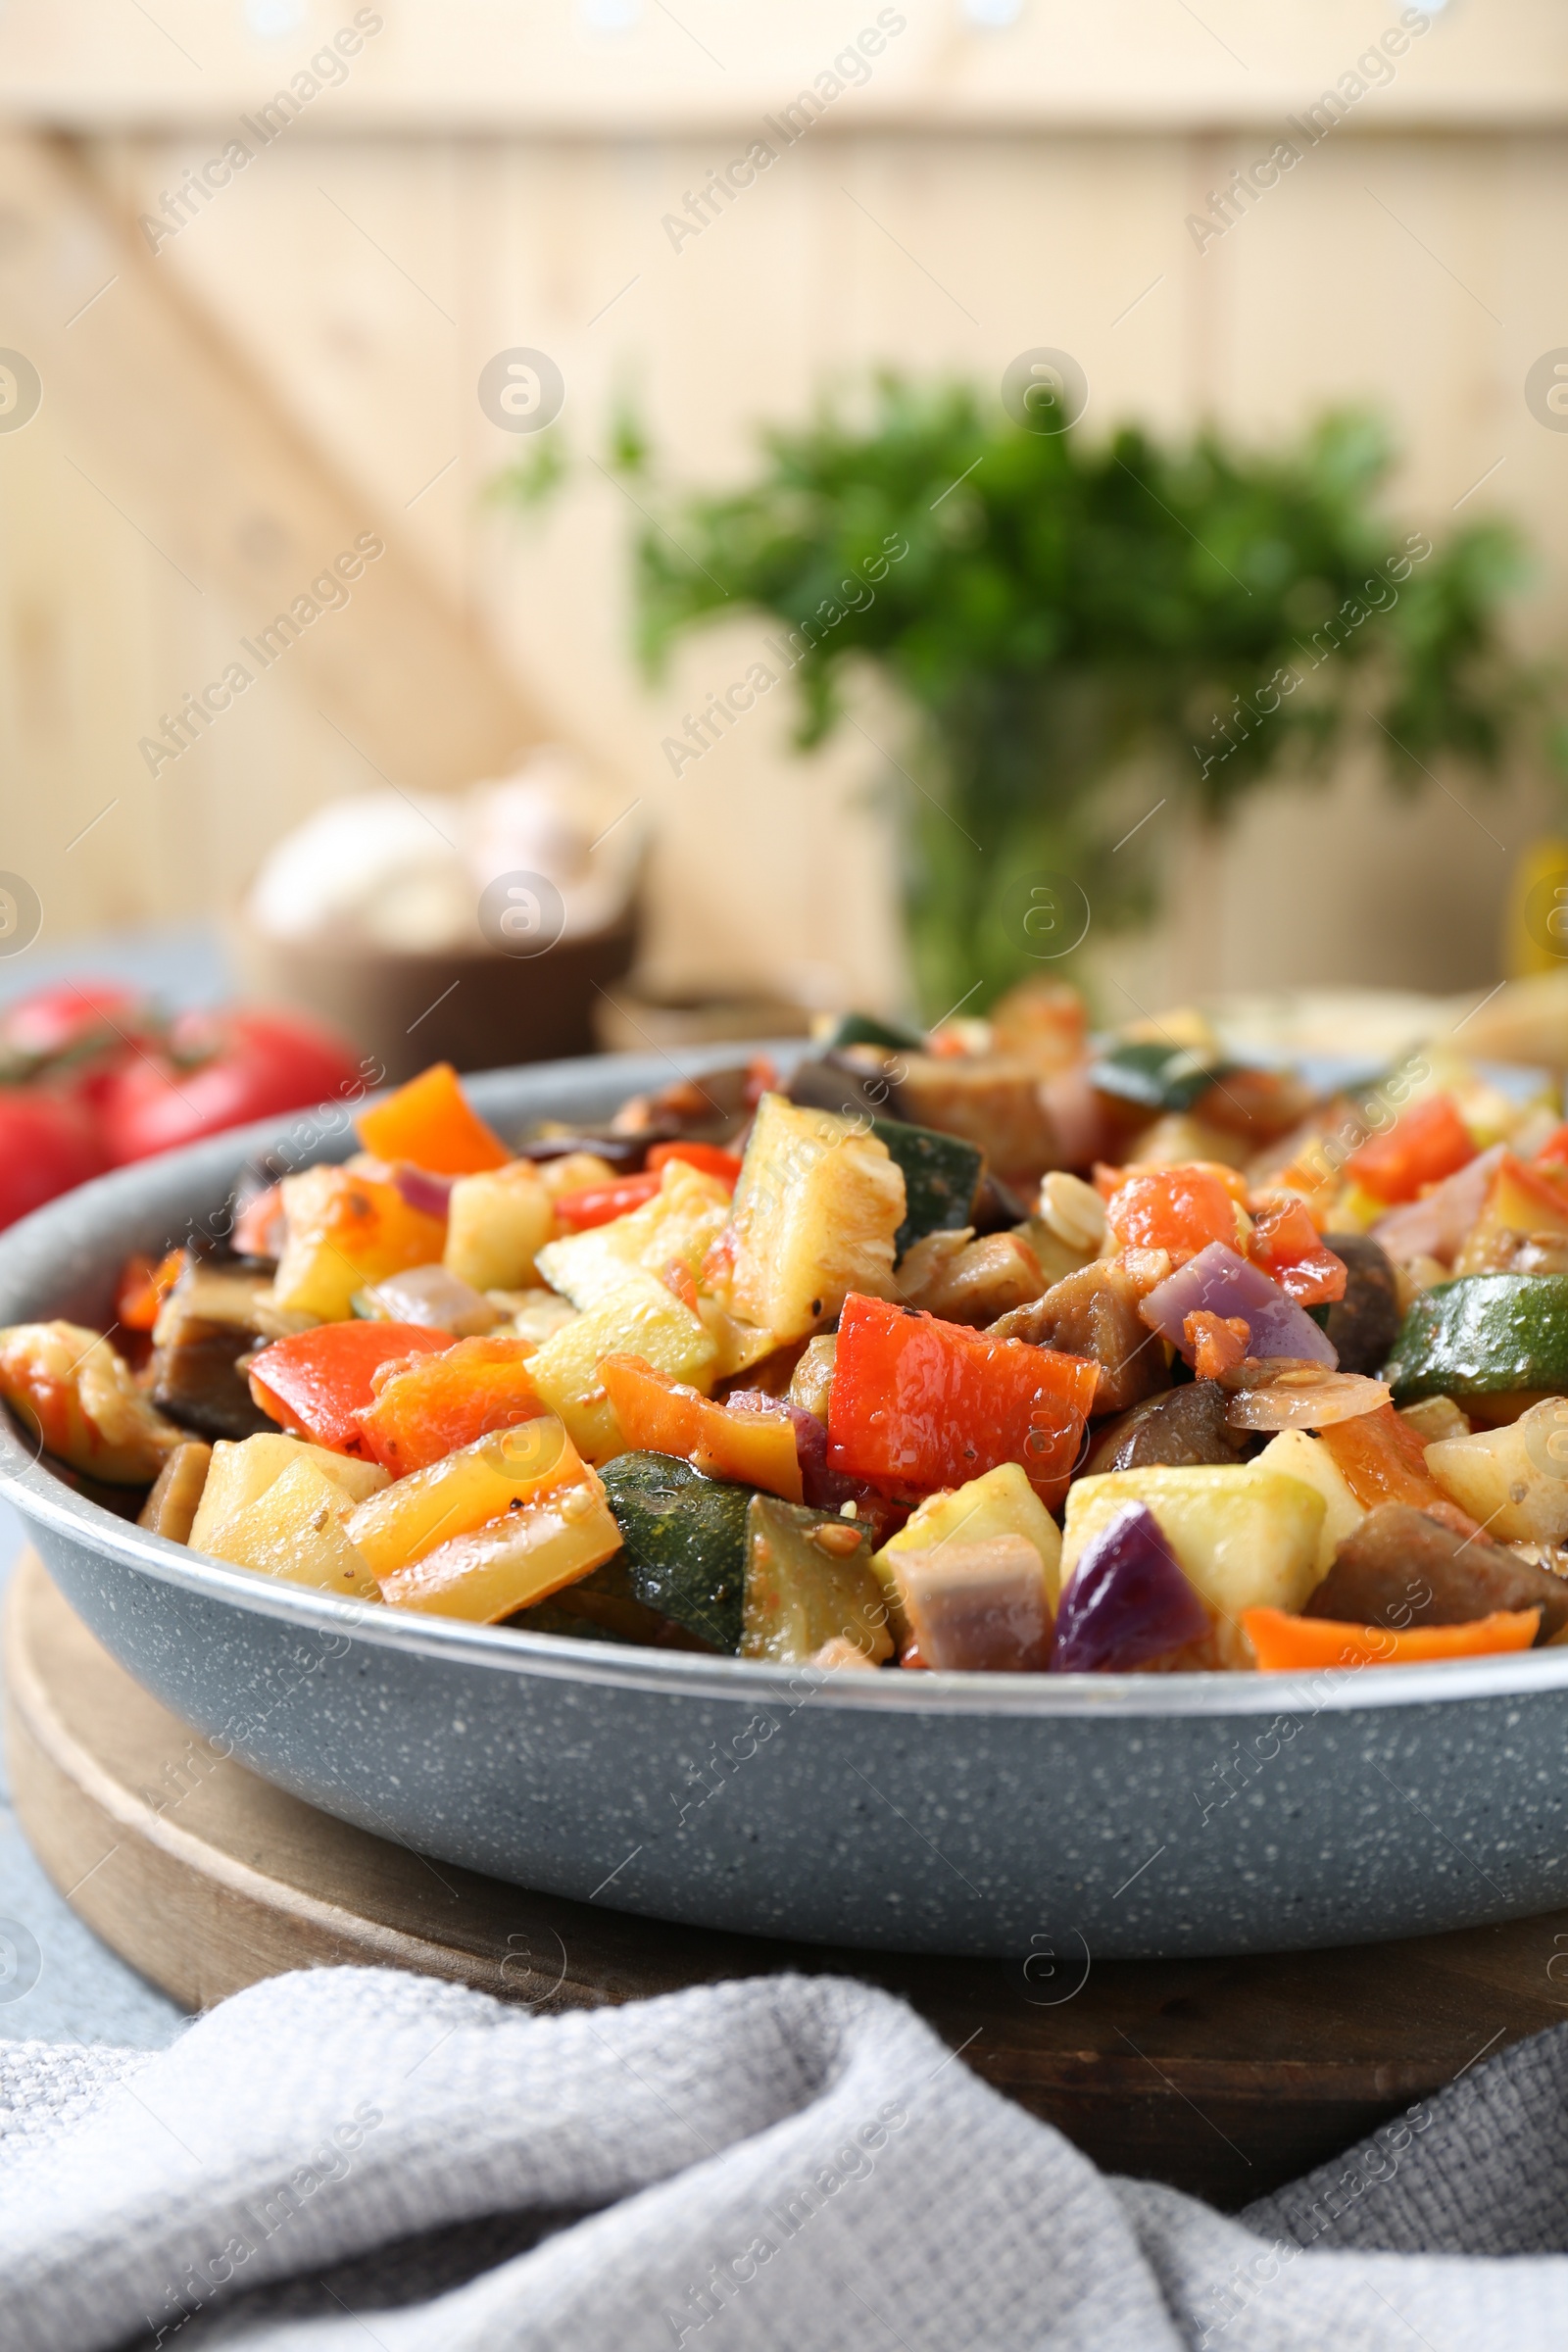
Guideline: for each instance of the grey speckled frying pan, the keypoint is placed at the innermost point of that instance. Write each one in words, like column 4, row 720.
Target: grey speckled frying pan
column 1001, row 1814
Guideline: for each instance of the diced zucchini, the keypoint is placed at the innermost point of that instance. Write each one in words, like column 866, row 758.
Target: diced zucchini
column 241, row 1472
column 816, row 1213
column 809, row 1581
column 495, row 1225
column 1482, row 1335
column 1245, row 1537
column 685, row 1539
column 463, row 1491
column 863, row 1029
column 1001, row 1503
column 1514, row 1480
column 1156, row 1075
column 641, row 1318
column 680, row 1224
column 1295, row 1455
column 940, row 1176
column 547, row 1541
column 295, row 1531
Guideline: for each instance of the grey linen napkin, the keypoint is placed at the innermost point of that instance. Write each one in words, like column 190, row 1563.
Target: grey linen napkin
column 354, row 2156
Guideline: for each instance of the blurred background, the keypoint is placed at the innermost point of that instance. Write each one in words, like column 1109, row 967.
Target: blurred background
column 262, row 254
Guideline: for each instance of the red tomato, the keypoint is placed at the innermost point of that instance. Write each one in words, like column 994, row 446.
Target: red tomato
column 1181, row 1209
column 1287, row 1243
column 601, row 1203
column 79, row 1015
column 47, row 1144
column 1425, row 1144
column 223, row 1070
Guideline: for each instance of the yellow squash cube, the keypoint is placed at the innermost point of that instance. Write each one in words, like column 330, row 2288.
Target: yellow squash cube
column 464, row 1490
column 816, row 1212
column 1295, row 1455
column 550, row 1540
column 243, row 1469
column 295, row 1531
column 346, row 1231
column 1001, row 1503
column 496, row 1223
column 680, row 1223
column 640, row 1318
column 1245, row 1537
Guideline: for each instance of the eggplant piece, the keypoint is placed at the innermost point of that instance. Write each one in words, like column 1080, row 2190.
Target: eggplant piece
column 171, row 1508
column 976, row 1608
column 1364, row 1324
column 212, row 1318
column 1094, row 1312
column 1183, row 1428
column 1401, row 1567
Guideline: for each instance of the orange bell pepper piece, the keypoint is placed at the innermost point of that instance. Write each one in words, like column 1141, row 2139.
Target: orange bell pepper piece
column 1383, row 1459
column 1282, row 1641
column 430, row 1124
column 917, row 1403
column 602, row 1203
column 143, row 1288
column 425, row 1409
column 1425, row 1144
column 659, row 1416
column 1287, row 1243
column 1181, row 1209
column 316, row 1383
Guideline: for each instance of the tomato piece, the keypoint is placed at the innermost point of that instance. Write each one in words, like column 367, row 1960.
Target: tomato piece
column 47, row 1144
column 318, row 1383
column 917, row 1403
column 1554, row 1153
column 1181, row 1209
column 431, row 1124
column 422, row 1412
column 1287, row 1243
column 1425, row 1144
column 658, row 1415
column 1282, row 1641
column 1218, row 1342
column 143, row 1288
column 602, row 1204
column 1383, row 1459
column 707, row 1157
column 220, row 1070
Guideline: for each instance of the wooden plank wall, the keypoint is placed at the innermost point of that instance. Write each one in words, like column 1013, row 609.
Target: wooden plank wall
column 365, row 273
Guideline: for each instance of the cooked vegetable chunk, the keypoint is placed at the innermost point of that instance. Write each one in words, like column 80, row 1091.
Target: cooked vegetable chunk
column 239, row 1474
column 431, row 1124
column 940, row 1176
column 1364, row 1324
column 749, row 1437
column 549, row 1541
column 1514, row 1480
column 295, row 1531
column 79, row 1398
column 641, row 1318
column 430, row 1296
column 344, row 1233
column 1094, row 1313
column 964, row 1280
column 918, row 1405
column 677, row 1226
column 1524, row 1208
column 1002, row 1503
column 435, row 1404
column 1484, row 1333
column 685, row 1539
column 1383, row 1459
column 1400, row 1568
column 318, row 1383
column 213, row 1317
column 1177, row 1429
column 496, row 1224
column 465, row 1490
column 1284, row 1644
column 1129, row 1602
column 995, row 1101
column 815, row 1214
column 977, row 1608
column 1295, row 1455
column 171, row 1508
column 1245, row 1536
column 809, row 1581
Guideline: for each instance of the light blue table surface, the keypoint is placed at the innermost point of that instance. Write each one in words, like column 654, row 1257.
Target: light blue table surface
column 76, row 1990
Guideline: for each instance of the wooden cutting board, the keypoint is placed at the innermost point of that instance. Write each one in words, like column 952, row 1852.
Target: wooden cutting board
column 1223, row 2076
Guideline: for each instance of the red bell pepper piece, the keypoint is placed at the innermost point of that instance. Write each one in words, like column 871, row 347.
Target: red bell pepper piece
column 710, row 1158
column 917, row 1403
column 143, row 1288
column 1287, row 1243
column 602, row 1204
column 1425, row 1144
column 318, row 1383
column 430, row 1123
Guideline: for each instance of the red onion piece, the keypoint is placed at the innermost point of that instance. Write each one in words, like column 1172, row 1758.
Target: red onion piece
column 1126, row 1601
column 430, row 1194
column 1217, row 1282
column 1436, row 1226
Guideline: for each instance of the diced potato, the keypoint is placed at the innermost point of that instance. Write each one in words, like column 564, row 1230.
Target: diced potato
column 171, row 1508
column 1001, row 1503
column 679, row 1225
column 346, row 1231
column 816, row 1212
column 640, row 1318
column 1514, row 1480
column 496, row 1223
column 81, row 1402
column 242, row 1470
column 1296, row 1454
column 550, row 1540
column 295, row 1531
column 461, row 1492
column 1245, row 1537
